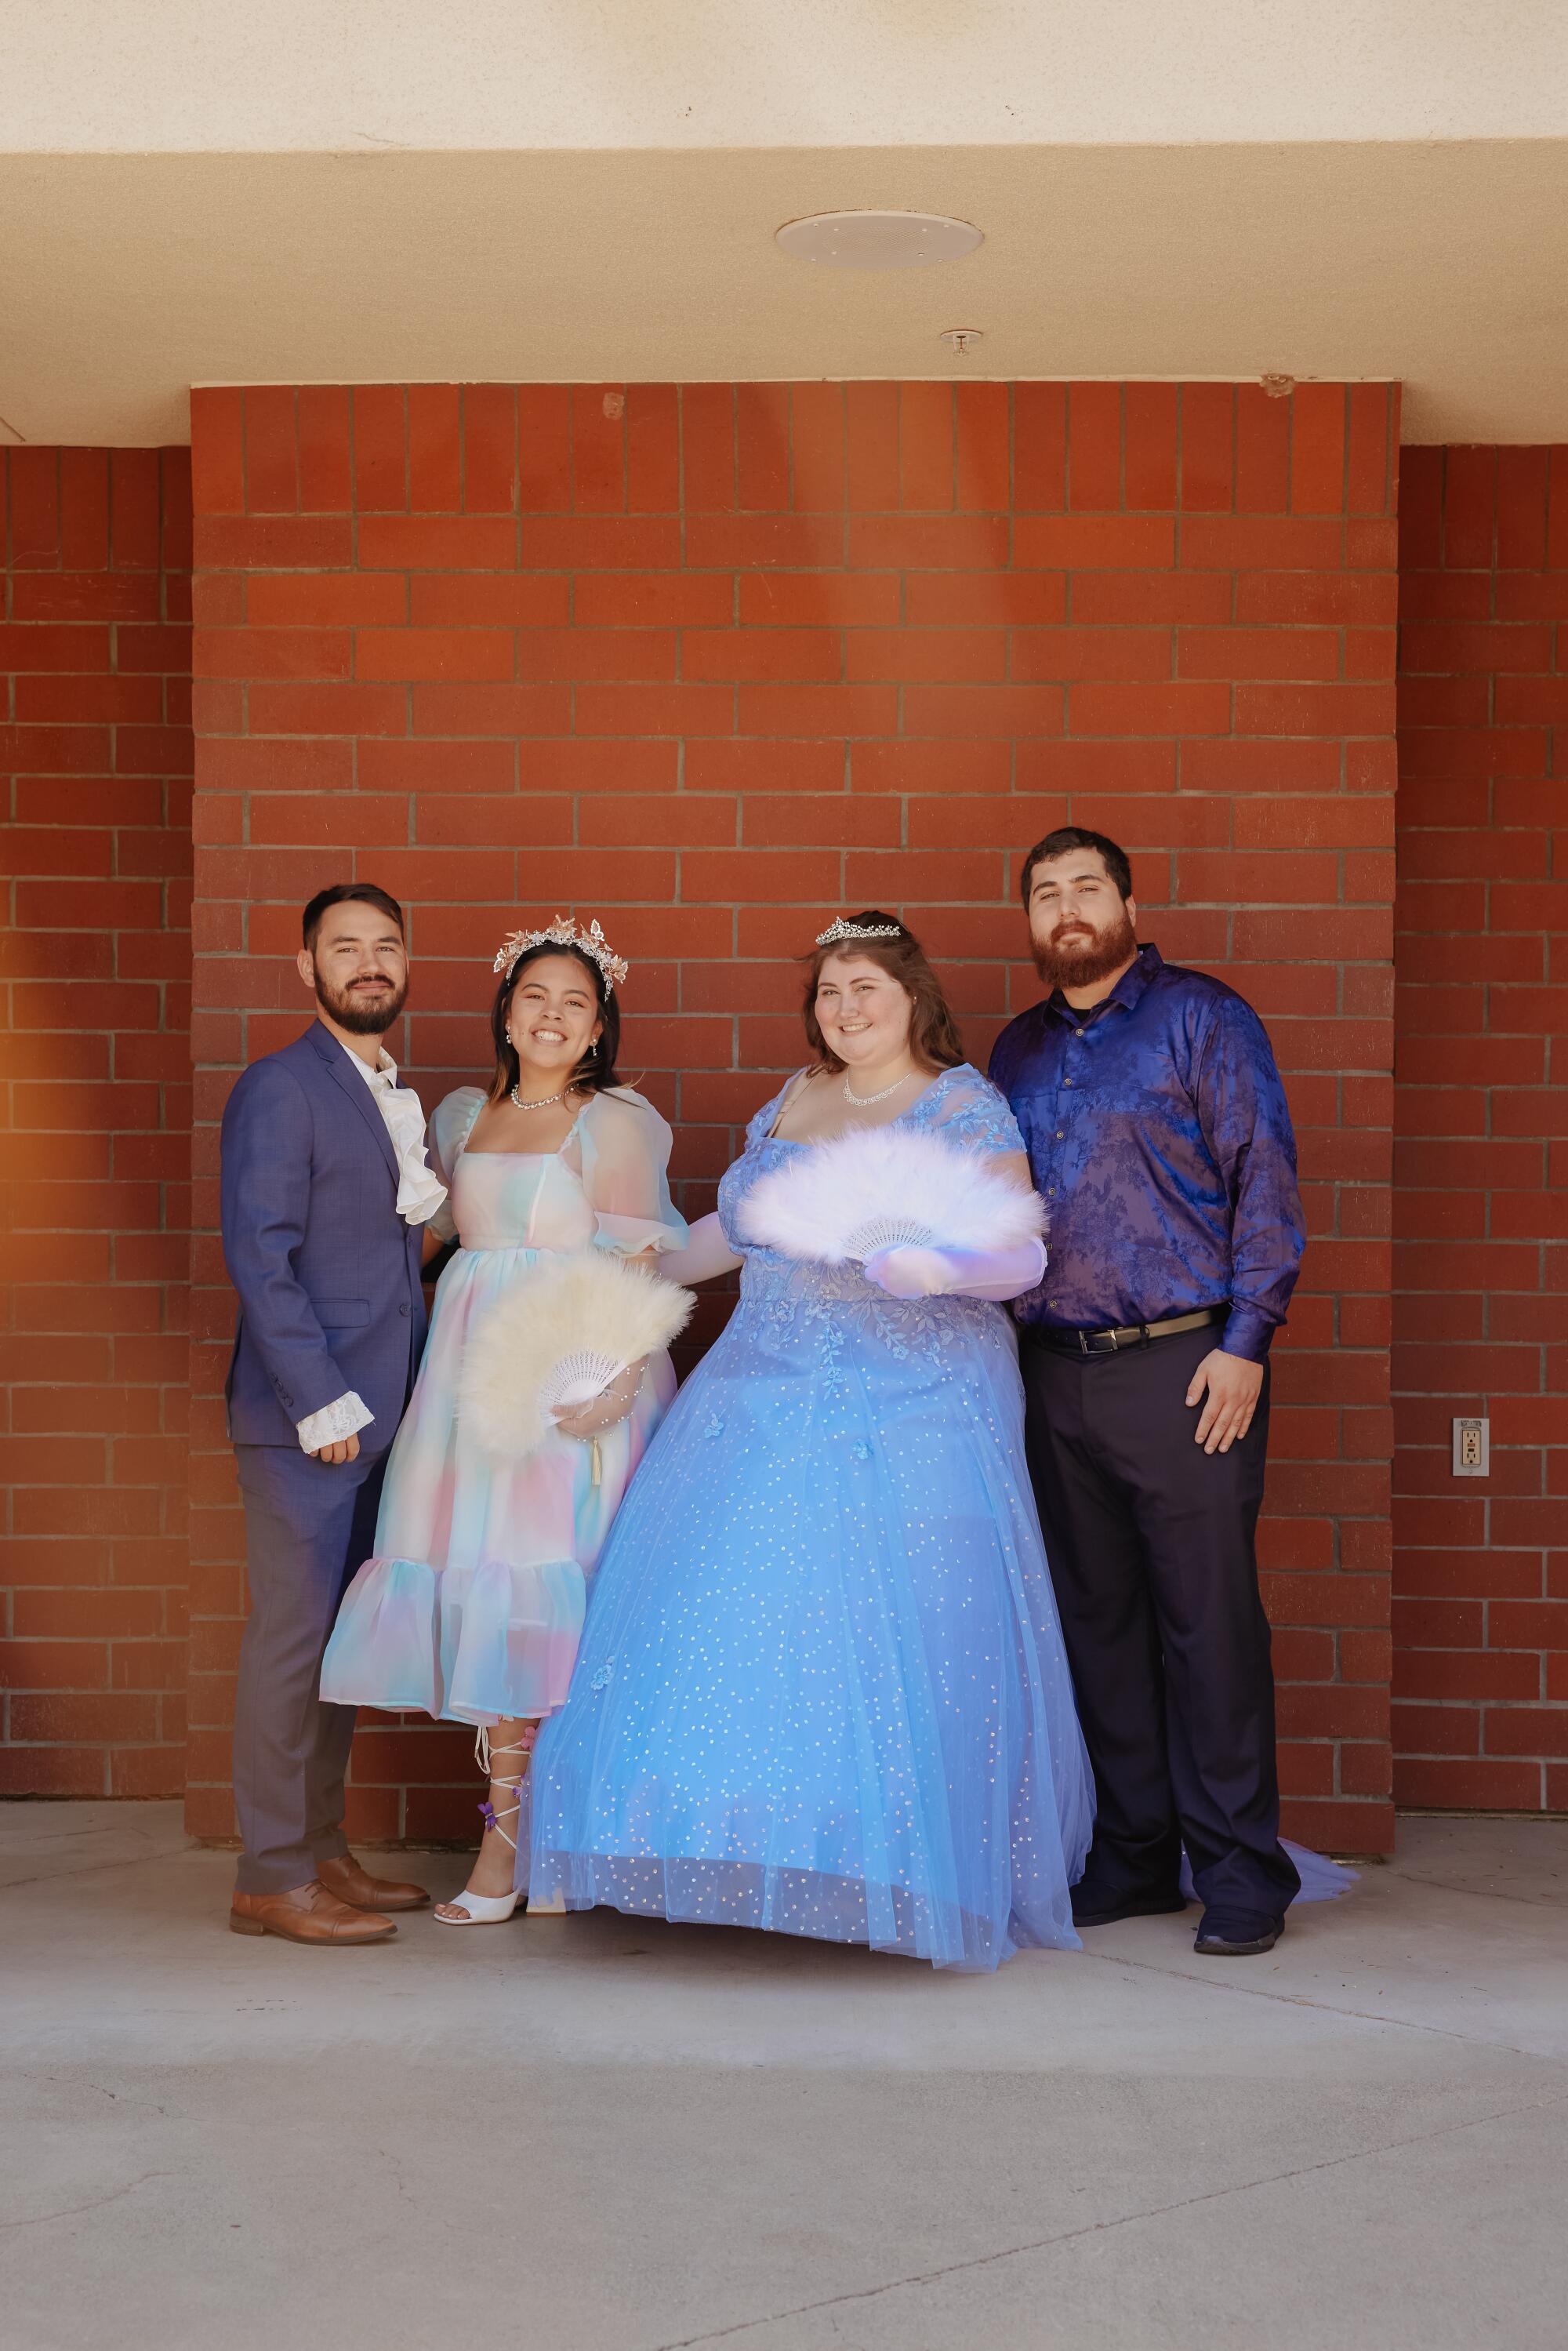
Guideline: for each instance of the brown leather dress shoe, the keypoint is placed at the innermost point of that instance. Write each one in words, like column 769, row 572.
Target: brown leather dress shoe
column 307, row 1913
column 354, row 1884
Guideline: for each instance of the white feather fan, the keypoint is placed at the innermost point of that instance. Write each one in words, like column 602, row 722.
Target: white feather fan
column 568, row 1327
column 886, row 1187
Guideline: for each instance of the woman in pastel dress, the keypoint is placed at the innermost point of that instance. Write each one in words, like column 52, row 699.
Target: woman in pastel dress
column 471, row 1606
column 821, row 1688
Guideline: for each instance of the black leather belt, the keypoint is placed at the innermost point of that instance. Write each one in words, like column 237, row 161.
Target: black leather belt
column 1131, row 1334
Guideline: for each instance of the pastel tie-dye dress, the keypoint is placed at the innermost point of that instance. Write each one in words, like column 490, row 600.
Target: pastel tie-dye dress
column 471, row 1606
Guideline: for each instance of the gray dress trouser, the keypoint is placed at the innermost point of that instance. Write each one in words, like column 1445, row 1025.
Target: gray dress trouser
column 309, row 1525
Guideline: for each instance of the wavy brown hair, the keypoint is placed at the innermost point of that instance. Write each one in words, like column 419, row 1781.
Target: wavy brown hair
column 934, row 1039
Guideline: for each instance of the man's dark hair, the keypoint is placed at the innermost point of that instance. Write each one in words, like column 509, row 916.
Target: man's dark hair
column 343, row 893
column 1065, row 838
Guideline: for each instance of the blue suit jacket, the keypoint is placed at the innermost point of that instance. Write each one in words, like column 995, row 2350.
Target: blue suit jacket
column 327, row 1270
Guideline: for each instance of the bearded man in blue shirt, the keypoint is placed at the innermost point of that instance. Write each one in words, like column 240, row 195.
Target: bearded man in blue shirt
column 1160, row 1140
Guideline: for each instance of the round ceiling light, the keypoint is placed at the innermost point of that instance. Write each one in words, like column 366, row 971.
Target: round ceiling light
column 878, row 240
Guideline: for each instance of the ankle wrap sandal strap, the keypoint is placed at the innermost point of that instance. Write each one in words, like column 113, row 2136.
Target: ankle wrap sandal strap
column 485, row 1755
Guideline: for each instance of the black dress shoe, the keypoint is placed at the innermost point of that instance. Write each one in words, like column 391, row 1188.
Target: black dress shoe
column 1096, row 1911
column 1219, row 1937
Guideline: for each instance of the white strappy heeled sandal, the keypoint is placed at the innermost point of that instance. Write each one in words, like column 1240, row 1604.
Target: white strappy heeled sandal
column 490, row 1909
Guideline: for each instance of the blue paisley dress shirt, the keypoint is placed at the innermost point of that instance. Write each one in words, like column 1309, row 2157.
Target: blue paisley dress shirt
column 1157, row 1131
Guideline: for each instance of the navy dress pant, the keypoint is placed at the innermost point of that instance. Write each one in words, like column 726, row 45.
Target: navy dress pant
column 1152, row 1556
column 309, row 1525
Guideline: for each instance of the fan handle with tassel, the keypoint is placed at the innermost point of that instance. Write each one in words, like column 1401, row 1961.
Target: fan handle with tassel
column 577, row 1379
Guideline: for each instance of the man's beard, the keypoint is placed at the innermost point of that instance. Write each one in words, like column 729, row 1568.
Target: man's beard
column 363, row 1014
column 1080, row 960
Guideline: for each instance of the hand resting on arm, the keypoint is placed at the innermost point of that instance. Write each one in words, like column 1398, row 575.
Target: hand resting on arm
column 998, row 1274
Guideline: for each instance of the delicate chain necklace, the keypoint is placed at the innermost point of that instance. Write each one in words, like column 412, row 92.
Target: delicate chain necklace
column 863, row 1102
column 543, row 1104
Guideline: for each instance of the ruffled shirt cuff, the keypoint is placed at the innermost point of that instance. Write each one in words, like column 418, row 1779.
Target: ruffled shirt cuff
column 345, row 1417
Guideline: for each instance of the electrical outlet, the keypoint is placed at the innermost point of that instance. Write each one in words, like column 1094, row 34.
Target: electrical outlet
column 1472, row 1448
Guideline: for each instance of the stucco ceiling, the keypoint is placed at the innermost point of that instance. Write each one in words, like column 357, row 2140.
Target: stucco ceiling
column 275, row 77
column 125, row 279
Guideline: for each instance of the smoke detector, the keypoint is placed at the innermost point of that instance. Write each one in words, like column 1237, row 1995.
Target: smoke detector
column 878, row 240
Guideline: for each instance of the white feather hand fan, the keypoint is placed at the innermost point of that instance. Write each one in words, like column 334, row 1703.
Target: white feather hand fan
column 882, row 1187
column 568, row 1327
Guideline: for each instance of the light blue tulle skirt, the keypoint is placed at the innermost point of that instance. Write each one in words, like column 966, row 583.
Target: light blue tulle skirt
column 1322, row 1880
column 821, row 1688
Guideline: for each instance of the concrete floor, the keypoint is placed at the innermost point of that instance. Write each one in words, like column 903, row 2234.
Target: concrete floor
column 597, row 2135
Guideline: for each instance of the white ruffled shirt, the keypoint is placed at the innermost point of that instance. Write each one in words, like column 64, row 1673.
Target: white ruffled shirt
column 420, row 1191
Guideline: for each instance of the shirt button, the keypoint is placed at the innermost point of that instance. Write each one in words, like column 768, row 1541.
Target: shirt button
column 1067, row 1081
column 1078, row 1032
column 1051, row 1194
column 1059, row 1131
column 403, row 1309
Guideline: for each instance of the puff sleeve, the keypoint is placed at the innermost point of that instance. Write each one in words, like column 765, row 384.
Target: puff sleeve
column 450, row 1124
column 624, row 1146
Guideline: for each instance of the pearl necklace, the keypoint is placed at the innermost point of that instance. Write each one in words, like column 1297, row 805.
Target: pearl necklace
column 543, row 1104
column 863, row 1102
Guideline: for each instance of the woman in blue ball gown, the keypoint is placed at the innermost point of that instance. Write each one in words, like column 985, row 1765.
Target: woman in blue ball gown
column 821, row 1688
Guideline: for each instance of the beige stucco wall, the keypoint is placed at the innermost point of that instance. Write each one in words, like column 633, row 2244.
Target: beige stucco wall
column 123, row 281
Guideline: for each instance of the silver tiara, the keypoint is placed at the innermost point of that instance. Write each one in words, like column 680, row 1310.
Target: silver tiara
column 838, row 929
column 564, row 932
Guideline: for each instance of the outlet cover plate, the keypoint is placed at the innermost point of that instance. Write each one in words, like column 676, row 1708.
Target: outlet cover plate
column 1472, row 1448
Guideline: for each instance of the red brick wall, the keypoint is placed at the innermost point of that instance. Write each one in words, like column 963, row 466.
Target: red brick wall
column 95, row 763
column 1481, row 1112
column 712, row 662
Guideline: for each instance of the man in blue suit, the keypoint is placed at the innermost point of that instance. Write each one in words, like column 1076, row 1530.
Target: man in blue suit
column 325, row 1192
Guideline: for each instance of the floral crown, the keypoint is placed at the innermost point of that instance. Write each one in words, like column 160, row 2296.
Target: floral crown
column 564, row 932
column 838, row 929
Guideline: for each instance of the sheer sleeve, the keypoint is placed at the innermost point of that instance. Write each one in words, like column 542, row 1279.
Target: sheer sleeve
column 450, row 1124
column 969, row 1110
column 623, row 1146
